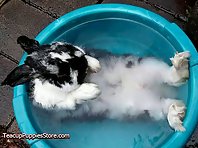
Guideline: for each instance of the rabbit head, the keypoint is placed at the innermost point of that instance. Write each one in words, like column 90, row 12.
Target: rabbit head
column 56, row 62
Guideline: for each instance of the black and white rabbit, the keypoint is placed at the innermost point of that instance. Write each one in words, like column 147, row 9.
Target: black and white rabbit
column 56, row 73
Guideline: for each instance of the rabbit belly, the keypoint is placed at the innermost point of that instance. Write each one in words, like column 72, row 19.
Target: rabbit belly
column 127, row 90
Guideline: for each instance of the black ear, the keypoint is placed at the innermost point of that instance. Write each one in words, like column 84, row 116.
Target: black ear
column 19, row 75
column 29, row 45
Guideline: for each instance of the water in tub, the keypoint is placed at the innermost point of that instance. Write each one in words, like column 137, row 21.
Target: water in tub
column 117, row 119
column 120, row 116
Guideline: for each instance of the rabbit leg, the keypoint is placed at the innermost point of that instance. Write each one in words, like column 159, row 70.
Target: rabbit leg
column 179, row 71
column 87, row 91
column 175, row 112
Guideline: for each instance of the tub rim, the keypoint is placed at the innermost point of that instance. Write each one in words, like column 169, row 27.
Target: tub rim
column 178, row 139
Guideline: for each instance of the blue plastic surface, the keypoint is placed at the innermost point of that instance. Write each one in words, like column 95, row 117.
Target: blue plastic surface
column 119, row 29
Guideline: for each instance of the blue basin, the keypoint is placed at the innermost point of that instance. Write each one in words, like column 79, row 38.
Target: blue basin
column 120, row 29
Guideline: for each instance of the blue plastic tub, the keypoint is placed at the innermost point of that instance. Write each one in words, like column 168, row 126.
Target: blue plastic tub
column 119, row 29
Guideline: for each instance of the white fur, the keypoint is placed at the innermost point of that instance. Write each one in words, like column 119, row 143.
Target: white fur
column 78, row 53
column 179, row 72
column 33, row 54
column 55, row 44
column 93, row 63
column 176, row 113
column 52, row 68
column 63, row 56
column 86, row 92
column 50, row 96
column 80, row 49
column 177, row 77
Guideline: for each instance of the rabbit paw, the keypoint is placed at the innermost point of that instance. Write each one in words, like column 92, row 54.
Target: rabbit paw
column 176, row 115
column 87, row 91
column 179, row 72
column 93, row 63
column 180, row 60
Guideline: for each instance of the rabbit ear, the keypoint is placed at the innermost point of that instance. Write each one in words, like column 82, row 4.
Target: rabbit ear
column 19, row 75
column 29, row 45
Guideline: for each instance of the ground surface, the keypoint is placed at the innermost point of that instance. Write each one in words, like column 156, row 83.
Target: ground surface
column 29, row 17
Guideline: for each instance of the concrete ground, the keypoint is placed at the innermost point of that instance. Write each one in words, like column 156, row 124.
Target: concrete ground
column 29, row 17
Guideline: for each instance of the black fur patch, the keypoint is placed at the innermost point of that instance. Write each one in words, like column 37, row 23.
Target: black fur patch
column 36, row 60
column 29, row 45
column 80, row 64
column 39, row 64
column 140, row 59
column 129, row 64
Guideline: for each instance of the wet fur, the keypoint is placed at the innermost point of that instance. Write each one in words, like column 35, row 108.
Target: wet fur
column 55, row 71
